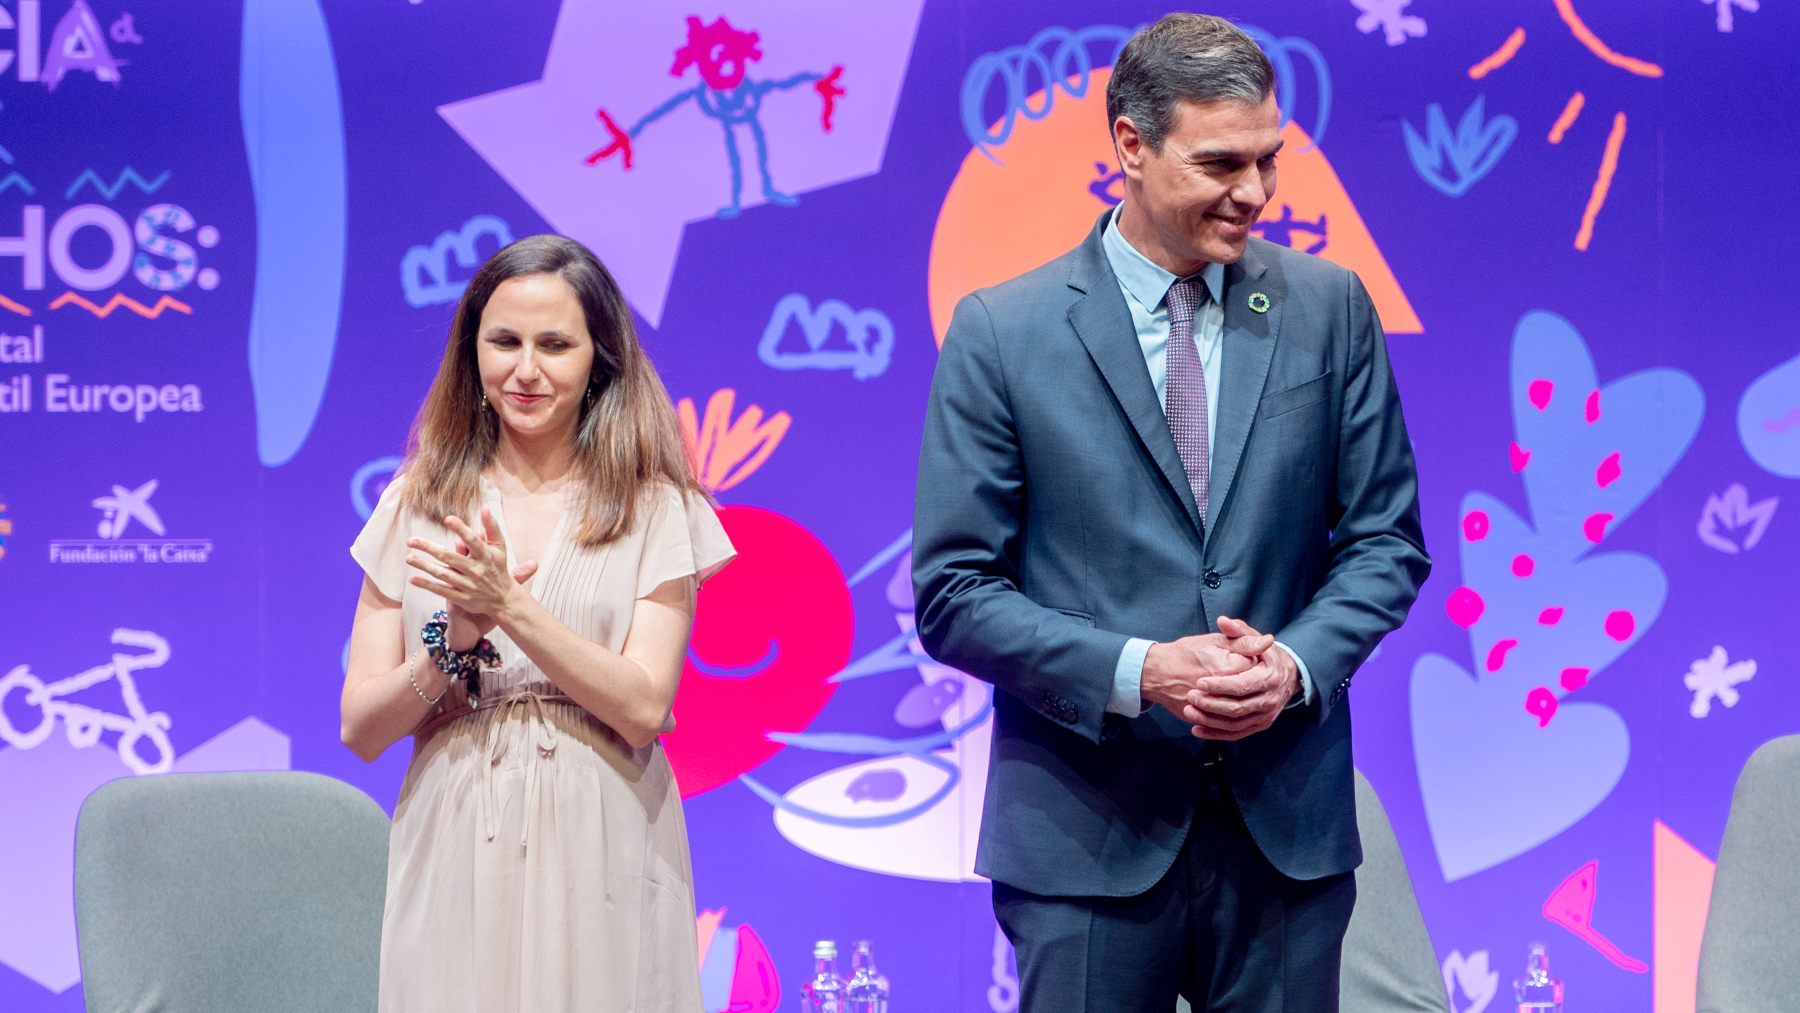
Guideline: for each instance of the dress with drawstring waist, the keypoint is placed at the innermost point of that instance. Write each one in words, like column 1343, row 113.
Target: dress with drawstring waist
column 538, row 861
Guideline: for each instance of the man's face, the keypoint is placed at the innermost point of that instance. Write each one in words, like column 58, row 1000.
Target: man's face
column 1201, row 193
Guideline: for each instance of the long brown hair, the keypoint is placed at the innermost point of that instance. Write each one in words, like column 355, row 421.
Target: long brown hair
column 626, row 441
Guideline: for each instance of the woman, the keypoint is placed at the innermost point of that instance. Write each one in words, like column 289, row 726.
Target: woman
column 529, row 588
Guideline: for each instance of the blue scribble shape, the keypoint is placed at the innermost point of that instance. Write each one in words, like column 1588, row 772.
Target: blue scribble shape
column 1282, row 230
column 902, row 652
column 834, row 337
column 1054, row 59
column 1062, row 59
column 1108, row 185
column 770, row 655
column 111, row 192
column 1452, row 162
column 13, row 179
column 1504, row 762
column 426, row 278
column 369, row 482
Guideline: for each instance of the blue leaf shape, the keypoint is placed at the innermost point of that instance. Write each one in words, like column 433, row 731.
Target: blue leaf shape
column 1502, row 766
column 1648, row 418
column 1471, row 150
column 293, row 123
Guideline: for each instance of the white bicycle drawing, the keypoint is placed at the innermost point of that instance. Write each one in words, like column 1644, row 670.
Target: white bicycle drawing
column 84, row 724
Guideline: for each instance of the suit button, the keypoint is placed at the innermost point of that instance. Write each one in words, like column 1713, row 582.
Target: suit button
column 1211, row 579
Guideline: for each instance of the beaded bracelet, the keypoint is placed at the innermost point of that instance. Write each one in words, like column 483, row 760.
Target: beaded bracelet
column 412, row 661
column 458, row 666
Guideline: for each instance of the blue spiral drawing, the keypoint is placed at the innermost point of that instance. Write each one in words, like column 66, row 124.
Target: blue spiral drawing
column 1062, row 59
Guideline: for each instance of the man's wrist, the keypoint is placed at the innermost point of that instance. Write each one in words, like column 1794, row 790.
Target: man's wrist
column 1304, row 692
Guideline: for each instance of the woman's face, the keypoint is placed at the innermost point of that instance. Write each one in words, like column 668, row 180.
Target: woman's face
column 535, row 355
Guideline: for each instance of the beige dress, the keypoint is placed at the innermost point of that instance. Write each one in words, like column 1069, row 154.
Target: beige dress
column 537, row 861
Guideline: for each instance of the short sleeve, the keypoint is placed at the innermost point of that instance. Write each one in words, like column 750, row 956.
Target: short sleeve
column 683, row 538
column 381, row 547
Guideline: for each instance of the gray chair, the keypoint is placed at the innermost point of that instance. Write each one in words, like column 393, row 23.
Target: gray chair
column 1750, row 953
column 1389, row 964
column 230, row 892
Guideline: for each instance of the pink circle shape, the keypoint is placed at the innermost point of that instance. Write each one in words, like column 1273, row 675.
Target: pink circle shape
column 1595, row 526
column 1520, row 457
column 1497, row 654
column 1465, row 606
column 1551, row 616
column 1475, row 525
column 1620, row 625
column 1574, row 678
column 1523, row 565
column 1539, row 392
column 1593, row 407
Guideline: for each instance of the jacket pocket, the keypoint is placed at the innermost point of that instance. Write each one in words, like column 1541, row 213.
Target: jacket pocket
column 1293, row 398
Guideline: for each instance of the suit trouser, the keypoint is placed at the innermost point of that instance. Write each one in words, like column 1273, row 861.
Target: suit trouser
column 1222, row 928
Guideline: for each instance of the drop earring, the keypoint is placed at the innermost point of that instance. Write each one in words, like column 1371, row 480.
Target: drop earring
column 483, row 409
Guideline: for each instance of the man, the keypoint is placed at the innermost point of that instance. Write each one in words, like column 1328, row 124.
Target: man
column 1167, row 503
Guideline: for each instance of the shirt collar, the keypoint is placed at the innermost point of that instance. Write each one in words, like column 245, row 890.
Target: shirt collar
column 1147, row 282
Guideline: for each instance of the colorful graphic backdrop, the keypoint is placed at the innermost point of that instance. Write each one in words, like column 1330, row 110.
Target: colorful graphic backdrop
column 232, row 234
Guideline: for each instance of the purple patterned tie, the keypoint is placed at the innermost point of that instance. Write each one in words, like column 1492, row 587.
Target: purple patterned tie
column 1184, row 395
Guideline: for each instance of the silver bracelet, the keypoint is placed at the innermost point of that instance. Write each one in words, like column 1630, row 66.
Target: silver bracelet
column 413, row 660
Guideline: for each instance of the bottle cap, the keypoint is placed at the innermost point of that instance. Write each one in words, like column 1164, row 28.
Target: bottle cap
column 825, row 949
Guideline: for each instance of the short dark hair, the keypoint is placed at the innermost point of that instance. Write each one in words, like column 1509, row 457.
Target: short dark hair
column 1196, row 57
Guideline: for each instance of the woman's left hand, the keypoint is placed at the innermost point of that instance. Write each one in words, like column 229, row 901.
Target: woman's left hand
column 479, row 582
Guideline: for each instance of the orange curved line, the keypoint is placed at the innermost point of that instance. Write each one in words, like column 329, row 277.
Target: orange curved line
column 1567, row 119
column 1498, row 58
column 1609, row 164
column 23, row 311
column 1642, row 68
column 121, row 299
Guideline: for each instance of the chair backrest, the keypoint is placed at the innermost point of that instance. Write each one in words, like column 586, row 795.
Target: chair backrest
column 1750, row 953
column 230, row 892
column 1389, row 964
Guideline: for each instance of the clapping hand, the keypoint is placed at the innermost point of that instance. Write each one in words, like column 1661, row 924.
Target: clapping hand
column 471, row 576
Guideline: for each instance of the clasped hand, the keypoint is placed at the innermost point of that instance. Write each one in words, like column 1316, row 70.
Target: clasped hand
column 1227, row 685
column 471, row 576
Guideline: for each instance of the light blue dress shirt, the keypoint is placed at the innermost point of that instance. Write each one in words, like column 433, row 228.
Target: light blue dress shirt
column 1146, row 287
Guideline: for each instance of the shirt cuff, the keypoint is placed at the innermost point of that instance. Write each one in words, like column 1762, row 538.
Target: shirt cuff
column 1128, row 676
column 1309, row 694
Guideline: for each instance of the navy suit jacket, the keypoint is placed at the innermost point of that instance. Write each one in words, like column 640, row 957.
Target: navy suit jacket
column 1053, row 521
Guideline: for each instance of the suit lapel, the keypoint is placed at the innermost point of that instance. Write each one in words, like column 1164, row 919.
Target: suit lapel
column 1249, row 344
column 1103, row 323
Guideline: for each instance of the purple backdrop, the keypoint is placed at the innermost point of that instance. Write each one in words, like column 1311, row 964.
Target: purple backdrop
column 231, row 237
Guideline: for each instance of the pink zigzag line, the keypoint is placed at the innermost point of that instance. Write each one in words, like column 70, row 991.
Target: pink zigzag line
column 120, row 299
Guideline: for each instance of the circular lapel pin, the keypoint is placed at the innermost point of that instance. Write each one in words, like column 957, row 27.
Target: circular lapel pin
column 1259, row 303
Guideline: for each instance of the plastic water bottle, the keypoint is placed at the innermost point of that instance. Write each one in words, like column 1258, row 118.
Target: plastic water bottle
column 825, row 992
column 867, row 990
column 1537, row 991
